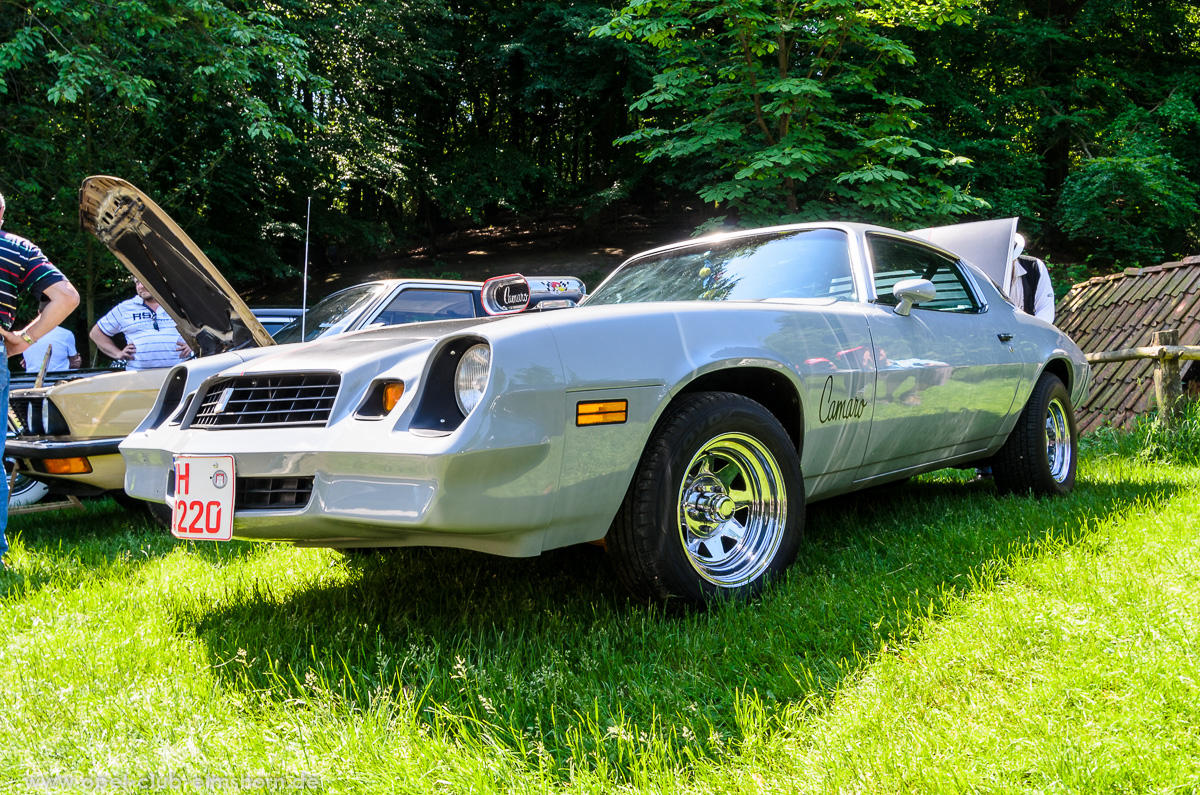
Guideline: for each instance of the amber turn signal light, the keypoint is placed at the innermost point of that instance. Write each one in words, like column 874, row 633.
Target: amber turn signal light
column 67, row 466
column 601, row 412
column 392, row 392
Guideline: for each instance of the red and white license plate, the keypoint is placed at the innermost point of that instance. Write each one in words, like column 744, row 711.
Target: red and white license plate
column 202, row 509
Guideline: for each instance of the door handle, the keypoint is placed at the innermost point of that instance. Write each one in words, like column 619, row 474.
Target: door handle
column 1005, row 336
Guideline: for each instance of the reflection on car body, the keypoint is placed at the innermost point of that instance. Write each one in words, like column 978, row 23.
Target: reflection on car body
column 685, row 412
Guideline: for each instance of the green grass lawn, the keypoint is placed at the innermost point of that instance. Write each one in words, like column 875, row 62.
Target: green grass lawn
column 931, row 637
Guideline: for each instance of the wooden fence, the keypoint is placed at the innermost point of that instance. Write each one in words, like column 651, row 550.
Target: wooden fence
column 1168, row 387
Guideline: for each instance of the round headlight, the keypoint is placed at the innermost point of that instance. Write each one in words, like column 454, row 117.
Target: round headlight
column 471, row 377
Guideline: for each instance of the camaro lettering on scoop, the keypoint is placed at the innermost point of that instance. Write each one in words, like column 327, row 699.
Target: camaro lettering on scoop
column 514, row 296
column 830, row 409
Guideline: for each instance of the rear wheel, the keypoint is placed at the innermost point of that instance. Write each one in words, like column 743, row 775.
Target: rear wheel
column 716, row 507
column 1040, row 454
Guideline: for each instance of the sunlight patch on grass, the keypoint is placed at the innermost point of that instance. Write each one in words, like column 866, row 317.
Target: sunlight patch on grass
column 1080, row 673
column 931, row 635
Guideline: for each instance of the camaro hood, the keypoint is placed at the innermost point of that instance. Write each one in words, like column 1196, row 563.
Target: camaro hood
column 209, row 314
column 368, row 347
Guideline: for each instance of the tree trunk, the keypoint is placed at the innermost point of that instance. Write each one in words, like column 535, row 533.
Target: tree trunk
column 89, row 297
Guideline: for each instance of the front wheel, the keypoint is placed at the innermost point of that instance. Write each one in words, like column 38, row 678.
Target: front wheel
column 25, row 490
column 716, row 507
column 1040, row 453
column 159, row 512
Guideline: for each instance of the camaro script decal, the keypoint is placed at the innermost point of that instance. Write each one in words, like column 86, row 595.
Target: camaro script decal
column 830, row 409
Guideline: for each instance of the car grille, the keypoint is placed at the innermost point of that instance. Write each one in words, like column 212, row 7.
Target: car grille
column 28, row 417
column 258, row 494
column 26, row 414
column 268, row 401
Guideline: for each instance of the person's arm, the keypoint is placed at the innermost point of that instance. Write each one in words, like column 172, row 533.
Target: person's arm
column 62, row 299
column 1043, row 300
column 108, row 347
column 74, row 360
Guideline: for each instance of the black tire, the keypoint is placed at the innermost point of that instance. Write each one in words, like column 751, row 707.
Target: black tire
column 125, row 501
column 160, row 511
column 26, row 491
column 686, row 532
column 1041, row 453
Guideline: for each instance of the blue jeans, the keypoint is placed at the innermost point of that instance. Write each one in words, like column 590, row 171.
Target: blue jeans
column 3, row 473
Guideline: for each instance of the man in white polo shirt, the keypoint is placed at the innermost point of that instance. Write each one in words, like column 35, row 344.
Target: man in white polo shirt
column 151, row 339
column 63, row 355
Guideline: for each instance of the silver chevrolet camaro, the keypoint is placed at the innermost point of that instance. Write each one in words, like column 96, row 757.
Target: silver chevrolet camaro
column 684, row 412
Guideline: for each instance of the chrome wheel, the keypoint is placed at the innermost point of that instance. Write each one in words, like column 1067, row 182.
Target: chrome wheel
column 715, row 510
column 732, row 509
column 1058, row 441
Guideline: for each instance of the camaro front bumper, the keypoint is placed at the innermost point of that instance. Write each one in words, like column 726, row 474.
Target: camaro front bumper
column 424, row 492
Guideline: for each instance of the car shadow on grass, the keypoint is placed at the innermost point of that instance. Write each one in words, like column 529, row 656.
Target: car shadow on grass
column 102, row 539
column 552, row 643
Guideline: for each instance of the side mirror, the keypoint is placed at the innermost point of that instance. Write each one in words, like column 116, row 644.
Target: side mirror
column 912, row 291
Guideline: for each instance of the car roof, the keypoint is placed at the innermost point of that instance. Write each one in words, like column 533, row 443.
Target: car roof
column 857, row 228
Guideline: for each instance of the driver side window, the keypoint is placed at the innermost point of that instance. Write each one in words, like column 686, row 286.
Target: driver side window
column 895, row 260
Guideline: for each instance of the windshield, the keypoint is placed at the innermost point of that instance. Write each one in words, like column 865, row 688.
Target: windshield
column 332, row 315
column 807, row 263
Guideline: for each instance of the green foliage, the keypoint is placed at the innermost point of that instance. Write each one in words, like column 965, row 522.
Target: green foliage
column 1079, row 117
column 408, row 119
column 1127, row 205
column 381, row 64
column 1150, row 441
column 398, row 118
column 179, row 97
column 541, row 105
column 439, row 115
column 784, row 112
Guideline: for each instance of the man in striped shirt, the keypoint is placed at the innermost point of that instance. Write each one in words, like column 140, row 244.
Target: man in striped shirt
column 24, row 268
column 151, row 339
